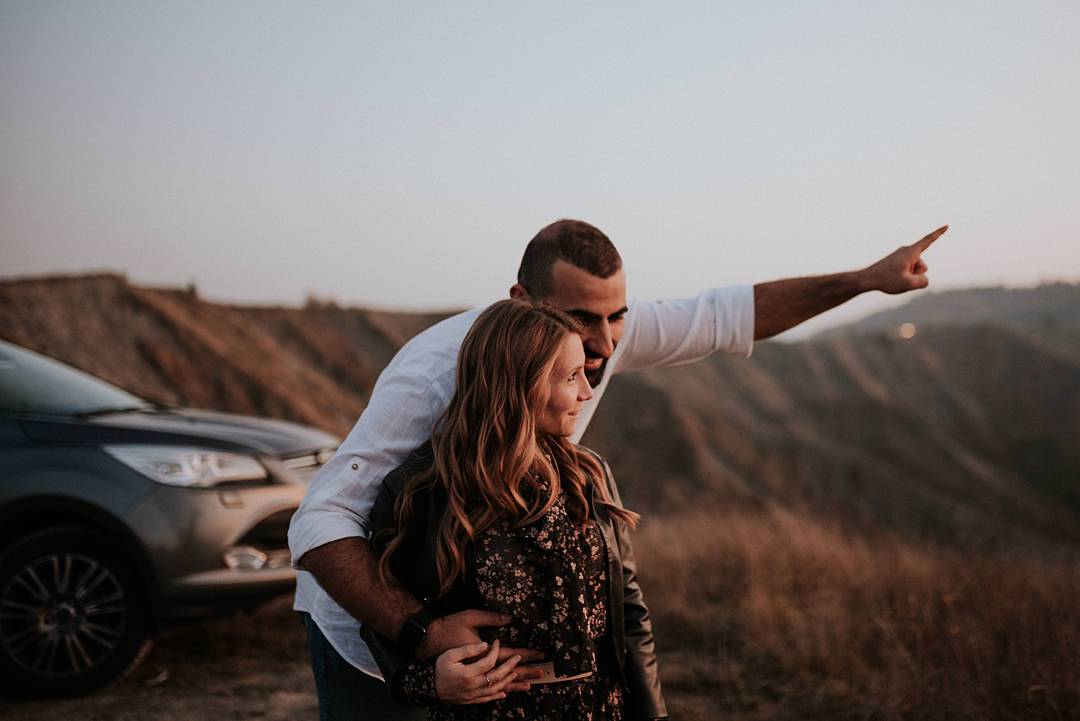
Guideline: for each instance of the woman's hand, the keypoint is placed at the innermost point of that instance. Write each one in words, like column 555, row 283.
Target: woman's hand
column 459, row 682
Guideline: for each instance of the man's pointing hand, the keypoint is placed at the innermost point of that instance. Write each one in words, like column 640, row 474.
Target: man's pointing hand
column 903, row 269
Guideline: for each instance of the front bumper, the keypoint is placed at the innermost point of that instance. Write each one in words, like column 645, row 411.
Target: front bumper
column 190, row 533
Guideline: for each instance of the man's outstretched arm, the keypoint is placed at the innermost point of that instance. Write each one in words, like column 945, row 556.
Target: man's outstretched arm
column 783, row 304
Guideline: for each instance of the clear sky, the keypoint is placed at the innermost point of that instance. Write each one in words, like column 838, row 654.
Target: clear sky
column 400, row 154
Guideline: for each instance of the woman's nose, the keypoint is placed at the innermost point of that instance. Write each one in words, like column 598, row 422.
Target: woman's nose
column 585, row 391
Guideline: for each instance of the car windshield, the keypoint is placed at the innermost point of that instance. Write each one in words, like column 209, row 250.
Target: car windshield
column 32, row 383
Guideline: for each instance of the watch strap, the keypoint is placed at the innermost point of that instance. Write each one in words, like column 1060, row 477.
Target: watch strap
column 414, row 631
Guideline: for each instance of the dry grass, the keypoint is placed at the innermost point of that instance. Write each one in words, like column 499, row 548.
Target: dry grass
column 769, row 616
column 777, row 616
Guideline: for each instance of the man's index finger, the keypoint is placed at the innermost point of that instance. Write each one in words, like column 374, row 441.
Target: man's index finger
column 925, row 242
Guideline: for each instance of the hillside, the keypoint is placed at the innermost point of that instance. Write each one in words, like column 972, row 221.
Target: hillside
column 316, row 365
column 966, row 435
column 1050, row 313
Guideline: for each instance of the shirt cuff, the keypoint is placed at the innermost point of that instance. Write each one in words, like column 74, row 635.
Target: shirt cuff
column 311, row 529
column 734, row 314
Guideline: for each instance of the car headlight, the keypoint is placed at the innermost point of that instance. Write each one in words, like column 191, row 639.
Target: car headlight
column 192, row 467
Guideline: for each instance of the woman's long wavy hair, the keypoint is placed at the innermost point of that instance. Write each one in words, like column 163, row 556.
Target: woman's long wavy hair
column 488, row 455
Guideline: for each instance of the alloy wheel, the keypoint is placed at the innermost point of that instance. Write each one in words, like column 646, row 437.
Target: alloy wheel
column 62, row 615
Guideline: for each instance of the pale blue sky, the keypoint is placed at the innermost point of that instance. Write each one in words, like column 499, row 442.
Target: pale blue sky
column 401, row 154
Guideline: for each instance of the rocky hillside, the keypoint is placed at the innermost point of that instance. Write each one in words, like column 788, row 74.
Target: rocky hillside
column 967, row 434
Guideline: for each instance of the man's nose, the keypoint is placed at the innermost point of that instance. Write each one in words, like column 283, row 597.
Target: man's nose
column 600, row 338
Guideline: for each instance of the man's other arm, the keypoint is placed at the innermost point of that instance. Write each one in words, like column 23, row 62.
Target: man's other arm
column 348, row 570
column 328, row 534
column 783, row 304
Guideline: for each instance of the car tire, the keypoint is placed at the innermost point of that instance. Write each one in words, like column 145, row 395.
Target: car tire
column 73, row 614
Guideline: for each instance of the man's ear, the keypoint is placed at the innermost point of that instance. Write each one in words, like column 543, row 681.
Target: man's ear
column 517, row 290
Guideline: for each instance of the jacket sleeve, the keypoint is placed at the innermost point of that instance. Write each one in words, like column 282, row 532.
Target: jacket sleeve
column 409, row 679
column 415, row 684
column 646, row 698
column 387, row 654
column 391, row 660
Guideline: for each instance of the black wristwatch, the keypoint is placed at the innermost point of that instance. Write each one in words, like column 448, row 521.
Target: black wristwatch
column 414, row 631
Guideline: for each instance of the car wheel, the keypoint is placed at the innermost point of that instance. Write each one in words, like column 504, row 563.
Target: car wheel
column 73, row 614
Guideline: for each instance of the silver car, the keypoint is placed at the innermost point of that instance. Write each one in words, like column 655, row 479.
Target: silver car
column 118, row 516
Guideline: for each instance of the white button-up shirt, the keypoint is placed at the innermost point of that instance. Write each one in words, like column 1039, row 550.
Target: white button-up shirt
column 416, row 387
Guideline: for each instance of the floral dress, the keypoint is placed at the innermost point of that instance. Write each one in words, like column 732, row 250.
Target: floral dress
column 551, row 577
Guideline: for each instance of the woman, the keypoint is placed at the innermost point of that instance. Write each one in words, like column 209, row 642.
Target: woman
column 499, row 510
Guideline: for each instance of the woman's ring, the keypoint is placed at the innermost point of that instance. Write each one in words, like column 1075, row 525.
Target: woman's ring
column 487, row 679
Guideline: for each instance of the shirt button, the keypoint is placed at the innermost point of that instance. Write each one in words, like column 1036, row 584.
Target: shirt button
column 355, row 466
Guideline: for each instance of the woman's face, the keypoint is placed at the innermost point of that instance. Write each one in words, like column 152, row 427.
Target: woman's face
column 568, row 389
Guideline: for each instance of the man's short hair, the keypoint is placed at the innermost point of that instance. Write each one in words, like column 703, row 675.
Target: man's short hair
column 573, row 241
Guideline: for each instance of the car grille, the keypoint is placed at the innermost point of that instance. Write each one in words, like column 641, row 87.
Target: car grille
column 271, row 533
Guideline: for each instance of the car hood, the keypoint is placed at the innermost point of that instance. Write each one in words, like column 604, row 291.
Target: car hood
column 186, row 425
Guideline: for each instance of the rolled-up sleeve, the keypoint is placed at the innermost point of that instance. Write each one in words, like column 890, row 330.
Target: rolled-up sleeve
column 671, row 332
column 399, row 417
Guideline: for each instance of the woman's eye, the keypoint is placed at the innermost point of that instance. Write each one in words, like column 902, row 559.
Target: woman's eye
column 572, row 378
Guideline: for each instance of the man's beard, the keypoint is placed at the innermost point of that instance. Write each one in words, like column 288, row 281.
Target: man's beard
column 595, row 376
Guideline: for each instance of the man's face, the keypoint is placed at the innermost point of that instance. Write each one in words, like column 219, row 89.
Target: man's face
column 600, row 305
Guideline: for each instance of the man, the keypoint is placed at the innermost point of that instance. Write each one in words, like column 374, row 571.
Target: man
column 575, row 267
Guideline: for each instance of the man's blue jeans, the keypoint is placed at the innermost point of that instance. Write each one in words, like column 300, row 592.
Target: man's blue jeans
column 345, row 692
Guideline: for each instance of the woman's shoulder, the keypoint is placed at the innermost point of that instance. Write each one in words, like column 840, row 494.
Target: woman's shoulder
column 599, row 478
column 603, row 470
column 591, row 453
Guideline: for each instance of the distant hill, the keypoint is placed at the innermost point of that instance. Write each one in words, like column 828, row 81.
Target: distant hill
column 967, row 434
column 1050, row 313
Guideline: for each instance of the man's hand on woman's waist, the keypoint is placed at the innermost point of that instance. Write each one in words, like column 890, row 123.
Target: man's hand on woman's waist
column 348, row 570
